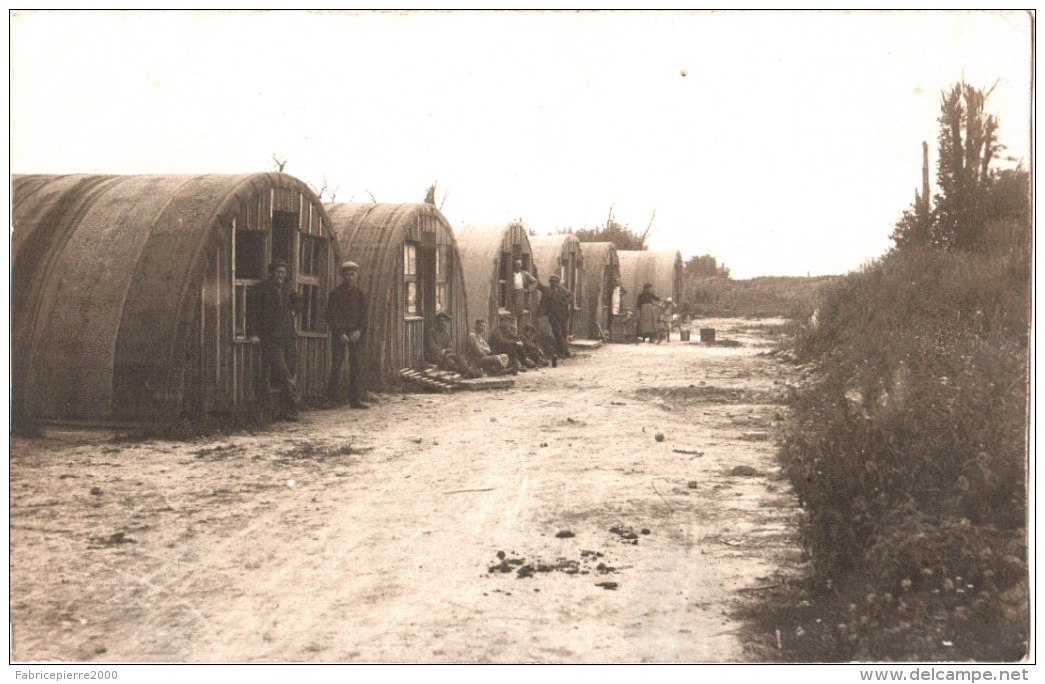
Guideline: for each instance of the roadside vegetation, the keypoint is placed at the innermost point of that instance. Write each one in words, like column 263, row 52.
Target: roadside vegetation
column 908, row 450
column 767, row 297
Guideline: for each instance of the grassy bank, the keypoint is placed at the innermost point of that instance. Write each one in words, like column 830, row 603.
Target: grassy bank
column 909, row 457
column 767, row 297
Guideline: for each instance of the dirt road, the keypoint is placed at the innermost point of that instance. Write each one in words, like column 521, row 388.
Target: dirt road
column 544, row 523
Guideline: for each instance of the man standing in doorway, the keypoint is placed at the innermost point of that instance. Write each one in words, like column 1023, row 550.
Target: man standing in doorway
column 523, row 283
column 557, row 305
column 276, row 306
column 346, row 318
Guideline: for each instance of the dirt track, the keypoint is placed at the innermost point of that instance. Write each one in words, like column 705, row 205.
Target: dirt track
column 370, row 536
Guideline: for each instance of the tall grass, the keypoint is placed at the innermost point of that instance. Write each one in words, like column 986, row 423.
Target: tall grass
column 909, row 456
column 766, row 297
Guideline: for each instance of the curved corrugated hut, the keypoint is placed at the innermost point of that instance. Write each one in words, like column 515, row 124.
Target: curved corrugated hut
column 132, row 296
column 662, row 269
column 601, row 280
column 561, row 254
column 487, row 254
column 410, row 270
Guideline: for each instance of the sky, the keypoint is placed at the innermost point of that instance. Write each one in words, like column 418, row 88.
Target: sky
column 782, row 143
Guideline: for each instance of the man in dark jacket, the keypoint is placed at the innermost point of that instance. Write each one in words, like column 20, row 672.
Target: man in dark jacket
column 439, row 347
column 346, row 318
column 557, row 305
column 276, row 307
column 505, row 340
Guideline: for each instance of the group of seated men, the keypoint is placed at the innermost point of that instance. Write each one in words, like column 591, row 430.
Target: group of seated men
column 503, row 351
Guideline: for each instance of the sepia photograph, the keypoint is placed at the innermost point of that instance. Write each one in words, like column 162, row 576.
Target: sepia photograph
column 345, row 338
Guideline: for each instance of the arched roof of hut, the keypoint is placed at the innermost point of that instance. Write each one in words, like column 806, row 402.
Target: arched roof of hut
column 597, row 255
column 372, row 235
column 106, row 272
column 547, row 252
column 657, row 268
column 480, row 247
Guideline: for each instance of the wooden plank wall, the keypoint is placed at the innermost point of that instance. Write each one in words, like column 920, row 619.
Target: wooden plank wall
column 230, row 376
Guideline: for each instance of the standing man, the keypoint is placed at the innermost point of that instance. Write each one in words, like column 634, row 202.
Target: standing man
column 276, row 308
column 523, row 283
column 346, row 318
column 557, row 305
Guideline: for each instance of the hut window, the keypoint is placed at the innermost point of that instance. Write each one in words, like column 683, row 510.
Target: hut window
column 250, row 255
column 284, row 223
column 410, row 251
column 310, row 261
column 249, row 260
column 504, row 278
column 310, row 255
column 442, row 278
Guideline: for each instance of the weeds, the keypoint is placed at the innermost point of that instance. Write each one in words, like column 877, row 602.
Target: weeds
column 908, row 453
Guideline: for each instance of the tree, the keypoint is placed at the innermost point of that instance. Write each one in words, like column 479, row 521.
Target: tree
column 705, row 266
column 623, row 237
column 967, row 144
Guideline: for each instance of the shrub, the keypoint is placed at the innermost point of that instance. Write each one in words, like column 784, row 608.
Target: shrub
column 909, row 452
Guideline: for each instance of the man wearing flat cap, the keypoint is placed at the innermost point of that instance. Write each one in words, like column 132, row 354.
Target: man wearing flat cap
column 346, row 318
column 439, row 347
column 276, row 306
column 557, row 305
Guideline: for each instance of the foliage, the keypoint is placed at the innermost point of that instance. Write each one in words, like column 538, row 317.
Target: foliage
column 623, row 237
column 909, row 456
column 767, row 297
column 973, row 196
column 705, row 266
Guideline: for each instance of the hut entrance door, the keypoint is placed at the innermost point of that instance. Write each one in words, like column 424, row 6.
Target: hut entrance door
column 413, row 305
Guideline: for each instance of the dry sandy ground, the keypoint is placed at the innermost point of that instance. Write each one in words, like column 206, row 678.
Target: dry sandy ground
column 375, row 535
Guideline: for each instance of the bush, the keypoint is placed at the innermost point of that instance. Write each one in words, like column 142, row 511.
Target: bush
column 909, row 452
column 768, row 297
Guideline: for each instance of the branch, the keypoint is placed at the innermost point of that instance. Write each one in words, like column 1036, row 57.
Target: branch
column 645, row 234
column 372, row 198
column 280, row 163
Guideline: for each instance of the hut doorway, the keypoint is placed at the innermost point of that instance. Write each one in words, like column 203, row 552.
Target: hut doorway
column 307, row 254
column 413, row 305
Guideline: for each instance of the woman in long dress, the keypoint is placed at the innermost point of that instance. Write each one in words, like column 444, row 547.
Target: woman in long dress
column 647, row 313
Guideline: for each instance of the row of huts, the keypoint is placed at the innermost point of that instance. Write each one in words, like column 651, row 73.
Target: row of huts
column 133, row 297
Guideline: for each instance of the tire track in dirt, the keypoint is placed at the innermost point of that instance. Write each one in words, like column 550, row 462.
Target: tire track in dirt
column 383, row 555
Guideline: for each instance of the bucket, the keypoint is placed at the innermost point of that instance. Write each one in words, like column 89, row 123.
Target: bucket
column 707, row 335
column 684, row 335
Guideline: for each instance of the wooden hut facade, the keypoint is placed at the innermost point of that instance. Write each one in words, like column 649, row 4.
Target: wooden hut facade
column 487, row 256
column 133, row 297
column 561, row 255
column 601, row 284
column 663, row 270
column 410, row 270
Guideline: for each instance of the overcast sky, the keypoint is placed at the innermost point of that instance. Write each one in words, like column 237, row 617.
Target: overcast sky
column 781, row 143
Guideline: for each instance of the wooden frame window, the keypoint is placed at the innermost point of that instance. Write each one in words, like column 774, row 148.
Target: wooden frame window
column 443, row 258
column 310, row 267
column 411, row 302
column 248, row 259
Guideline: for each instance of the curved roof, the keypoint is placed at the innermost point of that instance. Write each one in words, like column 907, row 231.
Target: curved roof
column 657, row 268
column 106, row 272
column 597, row 256
column 480, row 248
column 372, row 235
column 549, row 249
